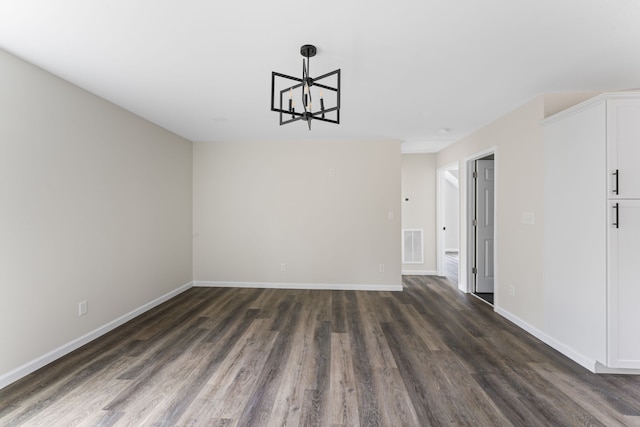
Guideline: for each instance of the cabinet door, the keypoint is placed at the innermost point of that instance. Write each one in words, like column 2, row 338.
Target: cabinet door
column 623, row 146
column 624, row 284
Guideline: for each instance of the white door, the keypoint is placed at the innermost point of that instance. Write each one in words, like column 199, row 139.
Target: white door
column 484, row 225
column 624, row 284
column 623, row 146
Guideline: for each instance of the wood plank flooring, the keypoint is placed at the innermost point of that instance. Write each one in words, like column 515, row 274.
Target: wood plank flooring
column 249, row 357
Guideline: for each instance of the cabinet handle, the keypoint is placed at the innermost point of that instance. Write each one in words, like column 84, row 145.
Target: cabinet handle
column 616, row 174
column 617, row 223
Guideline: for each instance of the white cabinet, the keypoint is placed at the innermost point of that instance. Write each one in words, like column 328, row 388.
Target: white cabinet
column 623, row 149
column 624, row 284
column 592, row 268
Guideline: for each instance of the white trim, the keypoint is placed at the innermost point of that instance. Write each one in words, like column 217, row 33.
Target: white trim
column 580, row 359
column 307, row 286
column 65, row 349
column 601, row 369
column 440, row 220
column 468, row 247
column 481, row 154
column 419, row 273
column 465, row 281
column 596, row 99
column 451, row 179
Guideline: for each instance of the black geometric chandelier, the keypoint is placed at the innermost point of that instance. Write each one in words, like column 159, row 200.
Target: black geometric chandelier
column 325, row 89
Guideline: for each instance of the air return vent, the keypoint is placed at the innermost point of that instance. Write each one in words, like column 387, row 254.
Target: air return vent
column 412, row 247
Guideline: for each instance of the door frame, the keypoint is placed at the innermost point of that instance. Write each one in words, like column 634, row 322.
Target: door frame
column 467, row 224
column 440, row 221
column 484, row 225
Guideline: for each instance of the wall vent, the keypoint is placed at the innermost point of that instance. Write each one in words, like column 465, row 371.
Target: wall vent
column 412, row 247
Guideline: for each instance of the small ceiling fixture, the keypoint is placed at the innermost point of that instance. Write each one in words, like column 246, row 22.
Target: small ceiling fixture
column 328, row 93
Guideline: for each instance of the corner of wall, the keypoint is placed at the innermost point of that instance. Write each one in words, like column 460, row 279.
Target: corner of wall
column 556, row 102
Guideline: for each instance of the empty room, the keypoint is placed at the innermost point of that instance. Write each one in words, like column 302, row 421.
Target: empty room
column 249, row 213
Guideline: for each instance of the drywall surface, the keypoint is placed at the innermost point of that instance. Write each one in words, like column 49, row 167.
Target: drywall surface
column 419, row 207
column 305, row 212
column 517, row 140
column 95, row 205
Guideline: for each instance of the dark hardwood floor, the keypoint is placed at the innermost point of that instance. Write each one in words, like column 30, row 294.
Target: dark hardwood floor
column 223, row 357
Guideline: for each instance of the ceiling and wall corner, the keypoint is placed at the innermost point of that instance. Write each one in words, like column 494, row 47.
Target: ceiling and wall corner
column 409, row 68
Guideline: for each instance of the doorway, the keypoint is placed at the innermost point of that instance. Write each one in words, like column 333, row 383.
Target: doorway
column 481, row 226
column 448, row 223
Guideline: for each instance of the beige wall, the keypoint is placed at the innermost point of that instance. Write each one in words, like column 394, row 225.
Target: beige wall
column 321, row 208
column 95, row 204
column 419, row 186
column 518, row 141
column 517, row 138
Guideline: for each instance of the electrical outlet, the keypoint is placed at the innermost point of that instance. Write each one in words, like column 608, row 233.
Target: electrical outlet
column 82, row 308
column 512, row 291
column 332, row 172
column 283, row 267
column 390, row 215
column 381, row 268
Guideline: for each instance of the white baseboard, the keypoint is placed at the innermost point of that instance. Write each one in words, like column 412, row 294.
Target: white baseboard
column 601, row 369
column 308, row 286
column 580, row 359
column 452, row 250
column 419, row 273
column 26, row 369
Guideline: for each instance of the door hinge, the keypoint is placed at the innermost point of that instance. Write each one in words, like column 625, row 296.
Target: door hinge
column 475, row 222
column 474, row 270
column 475, row 174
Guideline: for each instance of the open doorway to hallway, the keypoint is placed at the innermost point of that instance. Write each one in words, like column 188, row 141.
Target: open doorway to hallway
column 448, row 218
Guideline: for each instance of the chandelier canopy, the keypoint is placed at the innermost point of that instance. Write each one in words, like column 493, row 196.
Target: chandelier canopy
column 325, row 88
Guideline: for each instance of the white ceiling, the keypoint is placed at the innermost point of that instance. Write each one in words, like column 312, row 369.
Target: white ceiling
column 410, row 68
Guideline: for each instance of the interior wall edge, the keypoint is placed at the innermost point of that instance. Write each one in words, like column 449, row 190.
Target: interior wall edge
column 580, row 359
column 32, row 366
